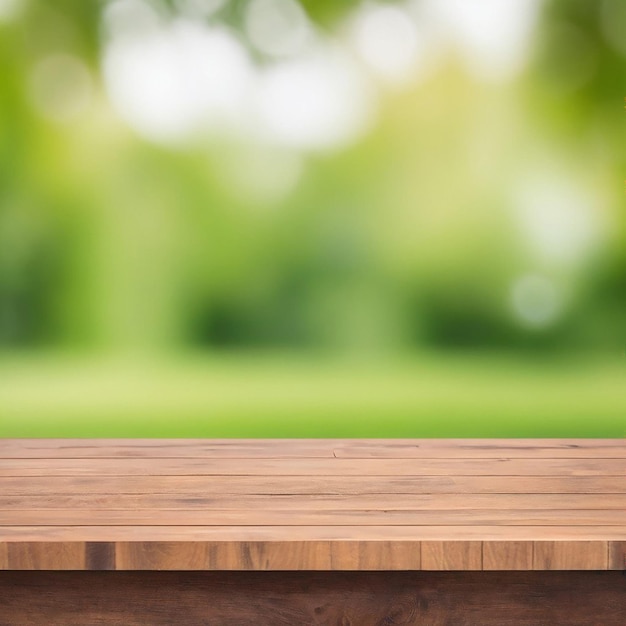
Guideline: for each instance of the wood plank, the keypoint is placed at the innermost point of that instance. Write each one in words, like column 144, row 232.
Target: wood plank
column 507, row 555
column 313, row 467
column 266, row 555
column 424, row 502
column 31, row 555
column 100, row 555
column 253, row 556
column 346, row 448
column 4, row 556
column 163, row 448
column 450, row 556
column 375, row 555
column 141, row 555
column 312, row 533
column 617, row 555
column 287, row 598
column 570, row 555
column 310, row 517
column 325, row 485
column 480, row 448
column 317, row 555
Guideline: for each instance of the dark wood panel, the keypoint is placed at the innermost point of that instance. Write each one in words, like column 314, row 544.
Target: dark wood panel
column 303, row 599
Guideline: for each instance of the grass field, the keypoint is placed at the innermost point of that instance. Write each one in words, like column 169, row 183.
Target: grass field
column 287, row 396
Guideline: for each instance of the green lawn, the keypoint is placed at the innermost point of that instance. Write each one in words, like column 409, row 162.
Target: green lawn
column 286, row 396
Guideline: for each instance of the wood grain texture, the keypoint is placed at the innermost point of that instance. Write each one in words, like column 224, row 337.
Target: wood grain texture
column 617, row 555
column 319, row 448
column 200, row 486
column 424, row 502
column 434, row 504
column 507, row 555
column 359, row 518
column 570, row 555
column 142, row 555
column 46, row 555
column 228, row 555
column 480, row 448
column 163, row 448
column 100, row 555
column 309, row 598
column 266, row 556
column 311, row 467
column 375, row 555
column 450, row 556
column 312, row 533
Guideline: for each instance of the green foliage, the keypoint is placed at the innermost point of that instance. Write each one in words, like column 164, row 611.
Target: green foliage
column 403, row 240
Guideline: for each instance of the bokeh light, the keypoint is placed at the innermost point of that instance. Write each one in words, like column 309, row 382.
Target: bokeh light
column 387, row 39
column 277, row 27
column 312, row 217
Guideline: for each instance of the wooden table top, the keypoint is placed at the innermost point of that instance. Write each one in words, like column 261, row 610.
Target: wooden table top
column 316, row 504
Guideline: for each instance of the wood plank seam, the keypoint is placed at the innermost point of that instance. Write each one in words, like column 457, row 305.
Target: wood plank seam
column 617, row 555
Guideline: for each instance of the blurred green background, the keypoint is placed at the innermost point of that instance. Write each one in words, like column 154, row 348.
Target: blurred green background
column 272, row 218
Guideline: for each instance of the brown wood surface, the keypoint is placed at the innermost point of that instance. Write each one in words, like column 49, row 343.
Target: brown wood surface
column 311, row 467
column 570, row 555
column 425, row 502
column 360, row 518
column 508, row 555
column 315, row 448
column 617, row 555
column 521, row 504
column 452, row 555
column 309, row 598
column 201, row 486
column 287, row 534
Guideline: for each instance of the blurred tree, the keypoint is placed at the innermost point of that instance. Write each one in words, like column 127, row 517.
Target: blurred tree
column 404, row 238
